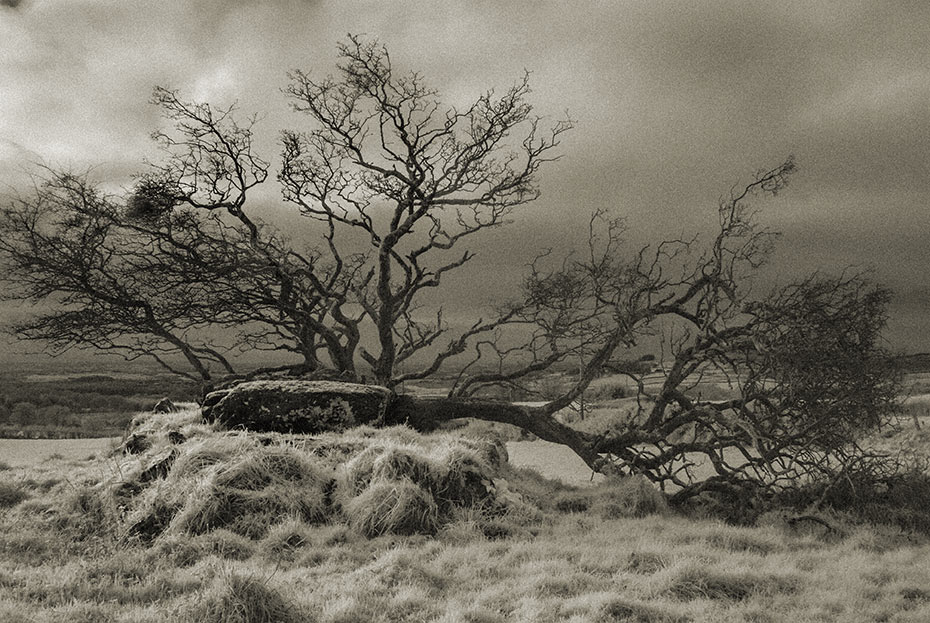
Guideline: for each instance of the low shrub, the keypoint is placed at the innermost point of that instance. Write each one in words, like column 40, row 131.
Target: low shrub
column 896, row 497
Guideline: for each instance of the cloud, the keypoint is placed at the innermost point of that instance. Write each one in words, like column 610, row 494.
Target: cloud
column 675, row 102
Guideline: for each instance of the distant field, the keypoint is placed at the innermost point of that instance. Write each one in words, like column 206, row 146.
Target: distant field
column 77, row 376
column 28, row 452
column 65, row 404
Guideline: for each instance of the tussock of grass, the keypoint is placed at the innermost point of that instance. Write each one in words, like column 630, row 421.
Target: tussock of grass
column 12, row 612
column 740, row 539
column 187, row 419
column 246, row 512
column 28, row 544
column 11, row 494
column 89, row 516
column 403, row 484
column 285, row 539
column 398, row 506
column 210, row 451
column 630, row 497
column 231, row 482
column 181, row 550
column 614, row 498
column 240, row 598
column 690, row 580
column 636, row 611
column 402, row 568
column 647, row 562
column 398, row 463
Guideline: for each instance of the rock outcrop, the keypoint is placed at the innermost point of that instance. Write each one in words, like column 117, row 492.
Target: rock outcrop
column 304, row 407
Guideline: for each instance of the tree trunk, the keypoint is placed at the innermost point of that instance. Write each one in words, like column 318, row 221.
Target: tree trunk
column 424, row 414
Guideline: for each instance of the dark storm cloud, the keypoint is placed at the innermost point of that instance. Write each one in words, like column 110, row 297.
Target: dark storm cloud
column 674, row 103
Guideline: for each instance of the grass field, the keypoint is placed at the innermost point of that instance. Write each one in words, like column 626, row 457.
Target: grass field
column 544, row 551
column 27, row 452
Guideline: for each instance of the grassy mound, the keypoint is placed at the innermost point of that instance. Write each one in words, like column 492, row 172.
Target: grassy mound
column 190, row 479
column 250, row 492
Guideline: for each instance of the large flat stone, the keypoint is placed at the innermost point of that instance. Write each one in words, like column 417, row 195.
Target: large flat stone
column 305, row 407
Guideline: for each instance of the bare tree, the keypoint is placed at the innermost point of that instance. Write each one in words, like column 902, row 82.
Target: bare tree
column 415, row 181
column 393, row 183
column 95, row 286
column 286, row 296
column 394, row 186
column 804, row 362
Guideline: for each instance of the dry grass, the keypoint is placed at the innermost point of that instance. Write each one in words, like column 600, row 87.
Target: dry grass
column 244, row 598
column 402, row 536
column 377, row 481
column 11, row 494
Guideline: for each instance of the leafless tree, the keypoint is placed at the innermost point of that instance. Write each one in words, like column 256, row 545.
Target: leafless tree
column 64, row 248
column 394, row 186
column 395, row 183
column 415, row 181
column 804, row 362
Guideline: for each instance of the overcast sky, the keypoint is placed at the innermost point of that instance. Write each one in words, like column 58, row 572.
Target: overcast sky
column 674, row 102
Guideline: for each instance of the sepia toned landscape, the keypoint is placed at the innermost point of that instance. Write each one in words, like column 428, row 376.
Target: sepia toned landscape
column 464, row 312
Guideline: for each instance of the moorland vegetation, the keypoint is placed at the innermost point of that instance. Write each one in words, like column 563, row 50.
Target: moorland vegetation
column 391, row 525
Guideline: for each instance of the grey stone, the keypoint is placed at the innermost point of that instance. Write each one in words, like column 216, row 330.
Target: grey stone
column 136, row 443
column 165, row 406
column 211, row 400
column 305, row 407
column 159, row 467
